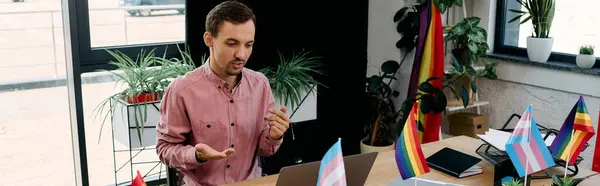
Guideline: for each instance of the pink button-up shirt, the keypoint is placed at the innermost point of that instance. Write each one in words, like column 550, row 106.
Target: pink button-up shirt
column 199, row 108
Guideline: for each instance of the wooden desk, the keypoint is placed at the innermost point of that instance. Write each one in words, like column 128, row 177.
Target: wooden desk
column 385, row 170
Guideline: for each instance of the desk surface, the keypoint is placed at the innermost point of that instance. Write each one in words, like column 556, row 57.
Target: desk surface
column 384, row 169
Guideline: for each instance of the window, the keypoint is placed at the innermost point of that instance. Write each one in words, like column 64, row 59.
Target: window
column 128, row 26
column 574, row 25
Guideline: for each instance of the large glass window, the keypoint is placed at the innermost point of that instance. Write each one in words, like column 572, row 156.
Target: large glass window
column 35, row 127
column 133, row 22
column 574, row 25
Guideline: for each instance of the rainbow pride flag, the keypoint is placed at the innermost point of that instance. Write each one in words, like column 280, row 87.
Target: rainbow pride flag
column 526, row 148
column 574, row 133
column 409, row 155
column 428, row 62
column 332, row 171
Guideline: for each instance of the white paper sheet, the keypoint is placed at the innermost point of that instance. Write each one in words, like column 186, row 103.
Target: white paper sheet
column 499, row 138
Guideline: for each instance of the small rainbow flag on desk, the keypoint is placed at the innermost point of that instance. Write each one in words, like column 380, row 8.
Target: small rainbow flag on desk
column 332, row 171
column 526, row 148
column 574, row 133
column 409, row 155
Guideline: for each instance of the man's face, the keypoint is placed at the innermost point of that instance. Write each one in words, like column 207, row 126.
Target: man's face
column 232, row 46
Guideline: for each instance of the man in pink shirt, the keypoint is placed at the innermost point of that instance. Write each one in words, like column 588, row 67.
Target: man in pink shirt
column 218, row 119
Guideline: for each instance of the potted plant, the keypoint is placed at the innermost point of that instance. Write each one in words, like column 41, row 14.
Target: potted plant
column 513, row 182
column 566, row 181
column 541, row 14
column 469, row 44
column 293, row 84
column 382, row 110
column 134, row 110
column 586, row 57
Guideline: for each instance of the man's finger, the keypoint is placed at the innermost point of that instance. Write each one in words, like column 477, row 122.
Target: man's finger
column 280, row 122
column 228, row 152
column 276, row 131
column 280, row 114
column 283, row 109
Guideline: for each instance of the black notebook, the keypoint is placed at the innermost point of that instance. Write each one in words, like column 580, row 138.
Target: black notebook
column 455, row 163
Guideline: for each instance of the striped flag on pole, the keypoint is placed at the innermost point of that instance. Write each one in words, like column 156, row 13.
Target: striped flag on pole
column 332, row 171
column 575, row 132
column 409, row 155
column 526, row 148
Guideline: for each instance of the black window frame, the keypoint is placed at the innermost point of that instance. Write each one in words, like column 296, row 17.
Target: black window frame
column 95, row 58
column 501, row 48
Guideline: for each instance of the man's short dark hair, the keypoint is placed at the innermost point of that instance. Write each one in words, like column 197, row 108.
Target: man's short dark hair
column 230, row 11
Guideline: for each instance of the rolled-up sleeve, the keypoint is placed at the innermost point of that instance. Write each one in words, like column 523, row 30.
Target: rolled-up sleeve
column 172, row 128
column 267, row 146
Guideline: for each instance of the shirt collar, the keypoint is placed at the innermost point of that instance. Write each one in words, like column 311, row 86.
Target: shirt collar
column 216, row 80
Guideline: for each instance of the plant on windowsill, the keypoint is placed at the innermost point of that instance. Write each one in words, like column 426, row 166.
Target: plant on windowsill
column 586, row 57
column 469, row 44
column 135, row 108
column 541, row 14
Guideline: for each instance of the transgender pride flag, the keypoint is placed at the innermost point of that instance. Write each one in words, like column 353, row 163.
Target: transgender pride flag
column 332, row 171
column 526, row 148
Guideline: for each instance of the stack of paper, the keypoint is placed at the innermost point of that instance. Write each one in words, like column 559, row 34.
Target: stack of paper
column 499, row 138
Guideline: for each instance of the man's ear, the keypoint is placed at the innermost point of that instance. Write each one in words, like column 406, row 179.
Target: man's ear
column 208, row 40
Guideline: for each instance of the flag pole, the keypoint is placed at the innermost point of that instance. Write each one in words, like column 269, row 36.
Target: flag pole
column 526, row 167
column 569, row 152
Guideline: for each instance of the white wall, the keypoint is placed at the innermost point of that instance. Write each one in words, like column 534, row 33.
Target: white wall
column 381, row 43
column 511, row 93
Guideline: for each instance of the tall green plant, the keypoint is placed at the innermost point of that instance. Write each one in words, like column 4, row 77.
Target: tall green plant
column 541, row 14
column 469, row 44
column 139, row 76
column 293, row 76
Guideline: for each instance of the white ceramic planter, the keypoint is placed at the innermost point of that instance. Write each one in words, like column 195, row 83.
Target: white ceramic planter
column 124, row 123
column 306, row 111
column 364, row 148
column 585, row 60
column 539, row 49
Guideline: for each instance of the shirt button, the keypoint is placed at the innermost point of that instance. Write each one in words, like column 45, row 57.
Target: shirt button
column 219, row 87
column 231, row 101
column 228, row 166
column 231, row 145
column 232, row 124
column 208, row 126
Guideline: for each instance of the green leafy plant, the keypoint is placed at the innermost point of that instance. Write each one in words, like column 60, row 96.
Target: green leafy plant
column 541, row 14
column 293, row 76
column 469, row 42
column 408, row 27
column 513, row 182
column 382, row 111
column 586, row 49
column 567, row 181
column 444, row 5
column 145, row 79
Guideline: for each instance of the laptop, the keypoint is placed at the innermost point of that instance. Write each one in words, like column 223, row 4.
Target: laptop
column 357, row 168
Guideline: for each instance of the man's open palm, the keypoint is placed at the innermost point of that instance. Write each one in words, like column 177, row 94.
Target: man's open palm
column 205, row 152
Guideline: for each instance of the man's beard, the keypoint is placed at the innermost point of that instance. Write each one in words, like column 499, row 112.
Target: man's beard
column 232, row 72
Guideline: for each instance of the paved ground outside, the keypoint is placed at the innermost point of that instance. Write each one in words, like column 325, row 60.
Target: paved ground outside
column 32, row 42
column 35, row 139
